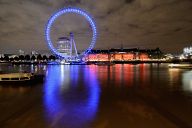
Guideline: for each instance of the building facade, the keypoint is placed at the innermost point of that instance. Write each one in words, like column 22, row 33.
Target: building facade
column 123, row 55
column 64, row 46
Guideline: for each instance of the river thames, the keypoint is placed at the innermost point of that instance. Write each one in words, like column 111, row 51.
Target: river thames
column 91, row 96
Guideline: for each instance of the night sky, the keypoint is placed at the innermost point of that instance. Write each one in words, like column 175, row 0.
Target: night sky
column 166, row 24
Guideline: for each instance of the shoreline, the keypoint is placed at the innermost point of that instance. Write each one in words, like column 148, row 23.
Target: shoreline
column 94, row 62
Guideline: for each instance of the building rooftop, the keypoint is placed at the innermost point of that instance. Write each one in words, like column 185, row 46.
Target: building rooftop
column 63, row 38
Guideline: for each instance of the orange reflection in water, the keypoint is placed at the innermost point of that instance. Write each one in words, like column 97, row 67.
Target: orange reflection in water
column 143, row 75
column 120, row 75
column 174, row 75
column 117, row 75
column 128, row 74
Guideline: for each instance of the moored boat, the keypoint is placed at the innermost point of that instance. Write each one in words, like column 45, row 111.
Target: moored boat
column 20, row 78
column 182, row 65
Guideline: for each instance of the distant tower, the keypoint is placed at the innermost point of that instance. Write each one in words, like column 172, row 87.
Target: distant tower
column 66, row 46
column 121, row 47
column 72, row 41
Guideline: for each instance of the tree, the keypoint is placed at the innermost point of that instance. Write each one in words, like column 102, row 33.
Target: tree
column 16, row 58
column 6, row 58
column 33, row 58
column 1, row 58
column 51, row 57
column 11, row 59
column 45, row 58
column 159, row 53
column 39, row 57
column 27, row 57
column 21, row 57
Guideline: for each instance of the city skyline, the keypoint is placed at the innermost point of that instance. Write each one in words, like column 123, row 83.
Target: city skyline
column 131, row 23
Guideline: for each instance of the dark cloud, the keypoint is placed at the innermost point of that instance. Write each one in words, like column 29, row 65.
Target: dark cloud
column 129, row 1
column 134, row 26
column 148, row 23
column 178, row 29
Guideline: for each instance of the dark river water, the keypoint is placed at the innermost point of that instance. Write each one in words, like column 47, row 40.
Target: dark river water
column 91, row 96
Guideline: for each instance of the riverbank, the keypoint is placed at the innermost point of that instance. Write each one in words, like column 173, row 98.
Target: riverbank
column 57, row 62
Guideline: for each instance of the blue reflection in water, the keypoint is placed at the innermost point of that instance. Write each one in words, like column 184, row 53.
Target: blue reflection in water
column 71, row 96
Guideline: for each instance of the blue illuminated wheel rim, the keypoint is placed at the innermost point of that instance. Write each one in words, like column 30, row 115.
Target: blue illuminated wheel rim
column 76, row 11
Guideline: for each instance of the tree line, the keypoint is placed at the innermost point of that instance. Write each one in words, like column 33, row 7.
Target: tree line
column 27, row 58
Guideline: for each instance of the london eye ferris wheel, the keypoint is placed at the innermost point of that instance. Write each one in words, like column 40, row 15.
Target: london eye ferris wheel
column 67, row 45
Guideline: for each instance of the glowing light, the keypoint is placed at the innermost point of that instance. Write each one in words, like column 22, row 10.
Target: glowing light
column 144, row 56
column 118, row 57
column 62, row 98
column 187, row 50
column 92, row 57
column 103, row 57
column 128, row 56
column 64, row 11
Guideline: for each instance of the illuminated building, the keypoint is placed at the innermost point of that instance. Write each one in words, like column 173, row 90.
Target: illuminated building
column 103, row 57
column 187, row 51
column 98, row 55
column 64, row 46
column 143, row 56
column 21, row 52
column 91, row 57
column 128, row 56
column 117, row 57
column 124, row 55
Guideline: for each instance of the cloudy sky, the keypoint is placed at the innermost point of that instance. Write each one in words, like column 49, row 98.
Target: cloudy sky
column 133, row 23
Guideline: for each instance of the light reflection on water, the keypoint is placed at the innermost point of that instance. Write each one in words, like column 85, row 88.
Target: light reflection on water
column 71, row 98
column 9, row 68
column 83, row 95
column 187, row 81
